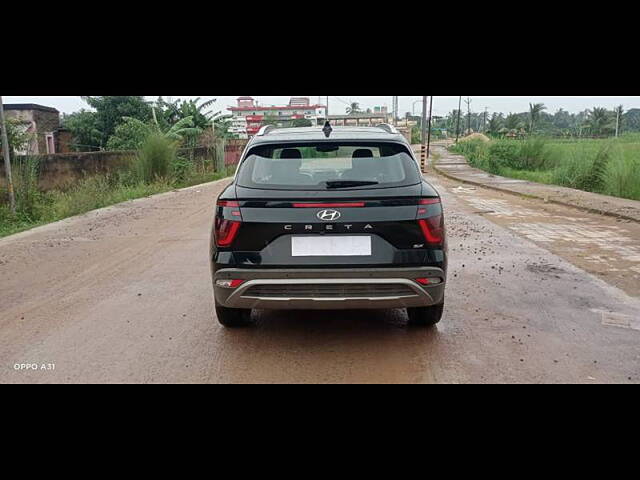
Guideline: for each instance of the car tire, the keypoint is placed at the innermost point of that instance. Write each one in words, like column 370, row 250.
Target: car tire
column 425, row 316
column 233, row 317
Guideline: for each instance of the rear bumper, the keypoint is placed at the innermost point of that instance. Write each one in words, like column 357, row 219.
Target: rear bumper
column 335, row 288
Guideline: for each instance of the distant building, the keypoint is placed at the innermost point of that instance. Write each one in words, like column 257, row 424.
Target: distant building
column 238, row 126
column 248, row 117
column 43, row 123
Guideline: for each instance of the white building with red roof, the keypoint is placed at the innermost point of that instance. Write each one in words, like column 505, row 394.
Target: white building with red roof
column 254, row 114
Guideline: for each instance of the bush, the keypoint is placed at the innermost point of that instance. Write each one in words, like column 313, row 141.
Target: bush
column 621, row 177
column 533, row 155
column 181, row 169
column 26, row 172
column 155, row 158
column 583, row 167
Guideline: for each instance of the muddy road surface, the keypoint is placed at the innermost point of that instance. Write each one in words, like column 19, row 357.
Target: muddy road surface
column 124, row 295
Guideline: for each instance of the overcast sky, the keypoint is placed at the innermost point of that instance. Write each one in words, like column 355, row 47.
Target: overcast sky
column 337, row 105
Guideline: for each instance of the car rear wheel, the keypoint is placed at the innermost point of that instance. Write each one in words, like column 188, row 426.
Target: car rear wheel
column 425, row 316
column 233, row 317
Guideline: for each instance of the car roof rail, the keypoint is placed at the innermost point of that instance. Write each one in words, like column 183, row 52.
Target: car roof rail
column 387, row 127
column 265, row 130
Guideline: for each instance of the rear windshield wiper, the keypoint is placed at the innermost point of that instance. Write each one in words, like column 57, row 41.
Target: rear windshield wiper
column 348, row 183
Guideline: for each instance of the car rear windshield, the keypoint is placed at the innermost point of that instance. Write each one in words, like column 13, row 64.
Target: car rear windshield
column 328, row 166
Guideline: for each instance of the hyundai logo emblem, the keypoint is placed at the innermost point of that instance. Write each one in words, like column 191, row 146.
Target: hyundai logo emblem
column 328, row 215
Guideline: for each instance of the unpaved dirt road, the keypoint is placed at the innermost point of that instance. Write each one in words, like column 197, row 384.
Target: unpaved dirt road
column 124, row 295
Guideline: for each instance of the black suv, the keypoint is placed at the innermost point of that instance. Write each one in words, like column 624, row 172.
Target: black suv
column 328, row 218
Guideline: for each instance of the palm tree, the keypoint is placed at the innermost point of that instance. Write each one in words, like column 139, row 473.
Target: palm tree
column 353, row 109
column 495, row 123
column 535, row 109
column 182, row 129
column 168, row 113
column 599, row 120
column 201, row 118
column 512, row 121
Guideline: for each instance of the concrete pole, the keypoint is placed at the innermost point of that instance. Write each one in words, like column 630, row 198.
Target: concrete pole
column 458, row 120
column 429, row 130
column 423, row 148
column 7, row 160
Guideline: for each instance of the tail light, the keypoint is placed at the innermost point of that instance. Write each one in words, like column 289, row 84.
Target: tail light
column 431, row 220
column 225, row 230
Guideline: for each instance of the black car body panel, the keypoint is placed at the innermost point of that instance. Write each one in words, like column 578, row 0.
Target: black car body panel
column 265, row 221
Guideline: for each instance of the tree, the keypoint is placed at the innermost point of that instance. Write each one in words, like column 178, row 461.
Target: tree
column 599, row 121
column 17, row 136
column 110, row 111
column 301, row 122
column 199, row 116
column 495, row 123
column 129, row 135
column 270, row 120
column 631, row 119
column 132, row 133
column 535, row 109
column 83, row 126
column 353, row 109
column 512, row 122
column 562, row 120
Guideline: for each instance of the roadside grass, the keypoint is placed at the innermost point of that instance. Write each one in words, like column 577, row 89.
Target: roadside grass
column 608, row 166
column 141, row 178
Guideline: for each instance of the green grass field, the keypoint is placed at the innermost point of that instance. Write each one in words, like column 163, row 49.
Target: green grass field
column 608, row 166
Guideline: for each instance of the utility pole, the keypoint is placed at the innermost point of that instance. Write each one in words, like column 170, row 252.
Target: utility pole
column 413, row 107
column 618, row 110
column 394, row 108
column 429, row 130
column 468, row 102
column 7, row 160
column 484, row 120
column 326, row 110
column 423, row 151
column 458, row 121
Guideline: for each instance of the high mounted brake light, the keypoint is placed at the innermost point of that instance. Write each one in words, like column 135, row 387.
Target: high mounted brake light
column 328, row 205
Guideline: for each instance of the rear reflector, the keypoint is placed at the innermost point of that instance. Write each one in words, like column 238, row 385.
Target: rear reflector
column 229, row 283
column 328, row 205
column 429, row 281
